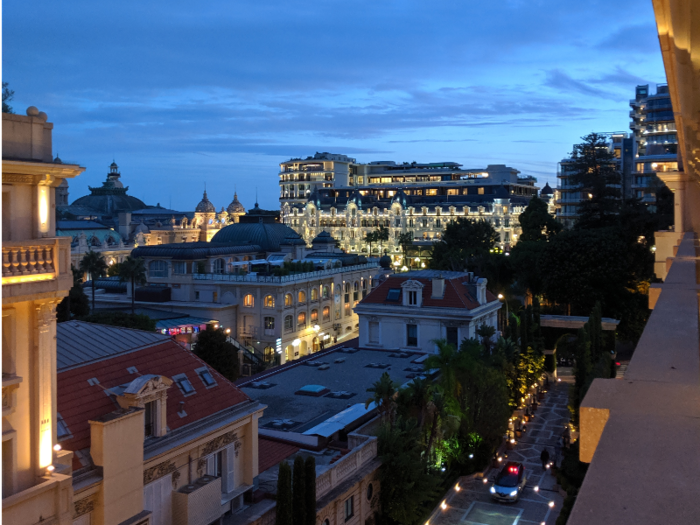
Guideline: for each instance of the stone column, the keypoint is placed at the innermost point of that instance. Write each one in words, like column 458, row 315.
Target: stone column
column 677, row 183
column 45, row 373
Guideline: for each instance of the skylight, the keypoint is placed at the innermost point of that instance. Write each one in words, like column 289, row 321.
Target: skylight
column 206, row 377
column 184, row 384
column 393, row 294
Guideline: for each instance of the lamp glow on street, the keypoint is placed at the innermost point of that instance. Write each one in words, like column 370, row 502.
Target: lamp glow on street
column 537, row 488
column 551, row 504
column 443, row 505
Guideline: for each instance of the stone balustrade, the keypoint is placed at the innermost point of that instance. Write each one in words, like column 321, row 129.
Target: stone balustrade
column 32, row 257
column 346, row 466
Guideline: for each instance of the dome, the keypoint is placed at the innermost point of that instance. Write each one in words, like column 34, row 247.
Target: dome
column 142, row 228
column 205, row 206
column 547, row 190
column 267, row 235
column 235, row 206
column 323, row 237
column 110, row 204
column 385, row 262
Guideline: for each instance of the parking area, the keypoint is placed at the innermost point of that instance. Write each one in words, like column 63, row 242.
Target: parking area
column 471, row 503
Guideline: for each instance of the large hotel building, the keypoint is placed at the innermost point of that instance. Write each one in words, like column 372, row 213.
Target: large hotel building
column 348, row 199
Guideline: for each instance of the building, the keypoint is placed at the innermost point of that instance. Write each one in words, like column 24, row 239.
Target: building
column 240, row 279
column 640, row 435
column 409, row 311
column 300, row 177
column 36, row 276
column 570, row 194
column 418, row 198
column 656, row 141
column 156, row 436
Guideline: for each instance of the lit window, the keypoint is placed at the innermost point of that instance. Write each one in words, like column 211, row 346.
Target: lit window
column 314, row 316
column 314, row 294
column 269, row 301
column 326, row 313
column 301, row 298
column 288, row 300
column 184, row 384
column 249, row 301
column 301, row 320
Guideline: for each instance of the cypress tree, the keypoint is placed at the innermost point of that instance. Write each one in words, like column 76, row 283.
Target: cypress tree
column 284, row 495
column 299, row 492
column 310, row 481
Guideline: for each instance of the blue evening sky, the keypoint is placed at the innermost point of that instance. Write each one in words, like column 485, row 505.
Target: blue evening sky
column 219, row 92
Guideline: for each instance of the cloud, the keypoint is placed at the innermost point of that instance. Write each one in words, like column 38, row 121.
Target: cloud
column 557, row 79
column 639, row 38
column 620, row 77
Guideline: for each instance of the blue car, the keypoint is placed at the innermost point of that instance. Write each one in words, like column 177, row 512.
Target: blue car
column 509, row 483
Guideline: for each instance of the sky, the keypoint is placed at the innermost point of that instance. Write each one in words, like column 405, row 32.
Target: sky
column 218, row 93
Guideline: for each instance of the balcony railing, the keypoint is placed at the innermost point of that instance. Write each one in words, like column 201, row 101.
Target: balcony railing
column 346, row 467
column 284, row 278
column 26, row 259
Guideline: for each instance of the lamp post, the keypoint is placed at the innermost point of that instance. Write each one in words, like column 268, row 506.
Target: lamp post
column 503, row 298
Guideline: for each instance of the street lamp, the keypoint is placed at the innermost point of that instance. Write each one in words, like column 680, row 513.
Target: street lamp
column 503, row 298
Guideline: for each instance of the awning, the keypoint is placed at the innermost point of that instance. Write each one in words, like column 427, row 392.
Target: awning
column 341, row 420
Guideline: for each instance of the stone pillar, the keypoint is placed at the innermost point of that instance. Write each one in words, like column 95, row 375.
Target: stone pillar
column 45, row 373
column 677, row 183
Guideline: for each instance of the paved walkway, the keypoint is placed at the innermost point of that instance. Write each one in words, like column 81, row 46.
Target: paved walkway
column 472, row 503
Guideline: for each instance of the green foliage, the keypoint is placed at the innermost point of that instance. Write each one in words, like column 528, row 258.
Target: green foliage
column 114, row 269
column 405, row 240
column 310, row 493
column 75, row 304
column 406, row 482
column 463, row 241
column 570, row 477
column 537, row 223
column 283, row 511
column 212, row 347
column 133, row 271
column 7, row 95
column 526, row 258
column 299, row 492
column 95, row 266
column 298, row 267
column 383, row 395
column 126, row 320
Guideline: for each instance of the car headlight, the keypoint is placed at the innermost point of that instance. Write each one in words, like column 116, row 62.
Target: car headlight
column 493, row 490
column 514, row 493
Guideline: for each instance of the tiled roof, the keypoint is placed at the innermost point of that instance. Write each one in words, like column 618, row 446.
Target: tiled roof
column 457, row 293
column 78, row 401
column 270, row 453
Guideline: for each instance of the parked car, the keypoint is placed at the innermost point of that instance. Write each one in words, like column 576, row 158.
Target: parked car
column 509, row 483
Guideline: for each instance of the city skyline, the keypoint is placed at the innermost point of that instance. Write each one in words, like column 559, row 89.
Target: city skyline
column 224, row 95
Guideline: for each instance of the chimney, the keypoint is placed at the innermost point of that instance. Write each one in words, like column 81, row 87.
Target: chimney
column 481, row 290
column 438, row 287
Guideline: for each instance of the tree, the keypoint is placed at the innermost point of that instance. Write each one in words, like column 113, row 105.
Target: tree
column 382, row 237
column 76, row 303
column 7, row 95
column 406, row 242
column 593, row 167
column 384, row 393
column 419, row 393
column 310, row 495
column 212, row 347
column 371, row 238
column 299, row 492
column 486, row 332
column 537, row 223
column 114, row 269
column 95, row 266
column 133, row 271
column 444, row 360
column 283, row 511
column 462, row 242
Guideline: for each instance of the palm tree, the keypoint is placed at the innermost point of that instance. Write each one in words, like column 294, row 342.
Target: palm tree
column 133, row 270
column 438, row 409
column 405, row 241
column 419, row 391
column 384, row 394
column 486, row 332
column 95, row 266
column 382, row 237
column 444, row 360
column 370, row 238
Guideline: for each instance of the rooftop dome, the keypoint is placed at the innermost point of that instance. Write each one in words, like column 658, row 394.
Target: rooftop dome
column 547, row 190
column 111, row 197
column 385, row 262
column 235, row 206
column 267, row 235
column 205, row 206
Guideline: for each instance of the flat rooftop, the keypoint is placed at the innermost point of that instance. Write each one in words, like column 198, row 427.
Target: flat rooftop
column 349, row 371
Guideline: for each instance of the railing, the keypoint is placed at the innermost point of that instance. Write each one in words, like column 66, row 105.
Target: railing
column 34, row 257
column 343, row 469
column 283, row 278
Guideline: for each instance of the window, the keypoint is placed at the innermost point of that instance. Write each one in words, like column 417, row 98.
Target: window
column 196, row 296
column 481, row 191
column 370, row 492
column 158, row 269
column 314, row 294
column 452, row 333
column 219, row 464
column 249, row 301
column 355, row 291
column 288, row 326
column 412, row 297
column 314, row 316
column 301, row 320
column 206, row 377
column 347, row 292
column 184, row 384
column 288, row 300
column 219, row 265
column 326, row 292
column 269, row 301
column 269, row 323
column 394, row 294
column 301, row 297
column 349, row 507
column 326, row 313
column 215, row 297
column 411, row 334
column 179, row 267
column 150, row 419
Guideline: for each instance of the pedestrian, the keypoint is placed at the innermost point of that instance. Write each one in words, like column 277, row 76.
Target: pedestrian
column 566, row 436
column 544, row 457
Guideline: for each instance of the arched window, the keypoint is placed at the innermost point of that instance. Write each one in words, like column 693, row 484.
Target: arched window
column 219, row 265
column 326, row 292
column 158, row 269
column 326, row 313
column 355, row 291
column 314, row 294
column 347, row 292
column 269, row 301
column 269, row 323
column 301, row 297
column 301, row 320
column 314, row 316
column 288, row 324
column 249, row 301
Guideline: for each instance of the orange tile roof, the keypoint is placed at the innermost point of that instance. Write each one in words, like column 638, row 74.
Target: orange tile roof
column 271, row 452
